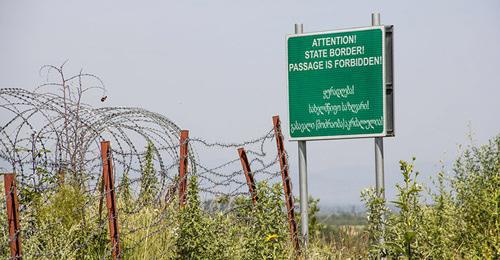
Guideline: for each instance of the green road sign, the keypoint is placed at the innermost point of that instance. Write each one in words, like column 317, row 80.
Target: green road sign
column 337, row 84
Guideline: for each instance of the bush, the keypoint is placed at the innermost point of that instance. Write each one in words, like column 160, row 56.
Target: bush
column 459, row 223
column 248, row 232
column 59, row 227
column 266, row 232
column 4, row 228
column 377, row 214
column 476, row 185
column 194, row 239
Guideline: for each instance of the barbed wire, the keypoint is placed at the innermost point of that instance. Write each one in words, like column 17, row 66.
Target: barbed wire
column 51, row 140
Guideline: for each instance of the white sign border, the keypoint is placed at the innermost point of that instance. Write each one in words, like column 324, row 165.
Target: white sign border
column 384, row 112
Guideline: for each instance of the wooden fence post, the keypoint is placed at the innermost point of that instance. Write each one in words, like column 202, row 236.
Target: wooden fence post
column 9, row 181
column 248, row 174
column 107, row 174
column 287, row 184
column 183, row 164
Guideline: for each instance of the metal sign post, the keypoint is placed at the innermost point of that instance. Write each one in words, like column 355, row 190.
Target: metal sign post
column 304, row 196
column 379, row 143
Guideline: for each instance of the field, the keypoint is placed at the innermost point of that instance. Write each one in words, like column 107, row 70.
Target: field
column 461, row 222
column 126, row 183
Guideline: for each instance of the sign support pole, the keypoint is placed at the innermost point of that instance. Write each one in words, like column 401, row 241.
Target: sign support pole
column 304, row 217
column 379, row 166
column 304, row 196
column 379, row 143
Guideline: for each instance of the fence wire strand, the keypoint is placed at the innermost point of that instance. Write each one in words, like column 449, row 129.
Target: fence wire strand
column 51, row 141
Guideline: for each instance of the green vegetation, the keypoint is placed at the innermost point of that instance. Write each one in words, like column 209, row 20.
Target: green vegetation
column 460, row 222
column 149, row 182
column 250, row 232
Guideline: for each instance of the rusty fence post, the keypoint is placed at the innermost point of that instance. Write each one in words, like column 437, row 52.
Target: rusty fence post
column 61, row 177
column 248, row 174
column 107, row 175
column 9, row 181
column 287, row 183
column 183, row 164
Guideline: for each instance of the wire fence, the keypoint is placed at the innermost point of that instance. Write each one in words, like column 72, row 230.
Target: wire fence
column 52, row 142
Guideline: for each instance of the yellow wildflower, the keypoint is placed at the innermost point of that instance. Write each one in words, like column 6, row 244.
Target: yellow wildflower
column 271, row 237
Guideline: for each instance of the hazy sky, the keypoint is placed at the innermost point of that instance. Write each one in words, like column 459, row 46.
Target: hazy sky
column 218, row 68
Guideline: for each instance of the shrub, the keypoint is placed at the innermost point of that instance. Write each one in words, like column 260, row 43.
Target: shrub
column 267, row 235
column 476, row 184
column 149, row 182
column 193, row 234
column 461, row 222
column 4, row 229
column 377, row 214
